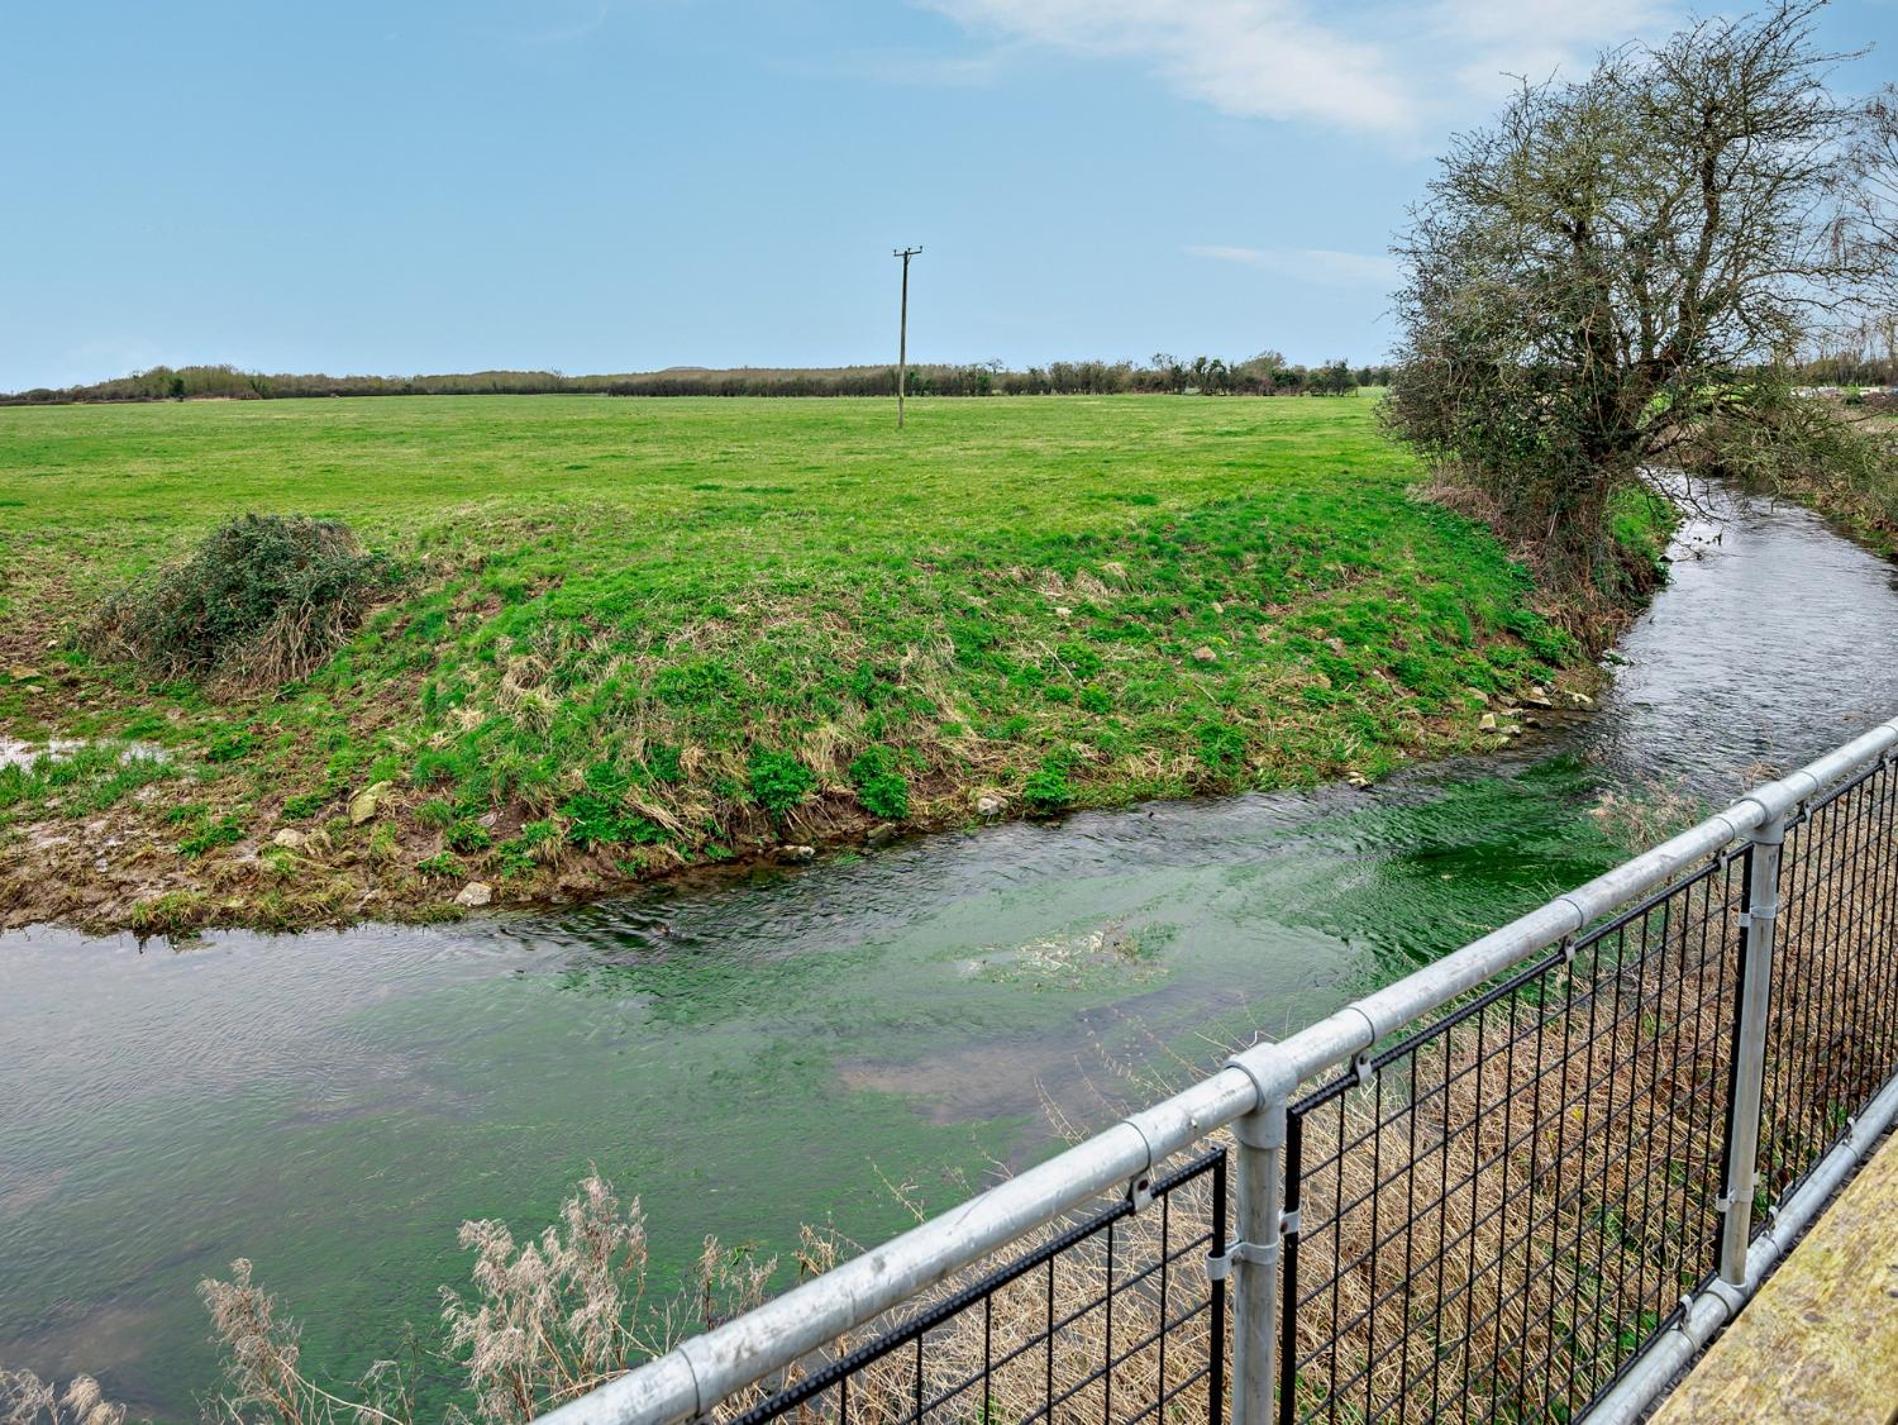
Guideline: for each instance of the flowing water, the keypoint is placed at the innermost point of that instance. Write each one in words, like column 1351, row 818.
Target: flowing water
column 790, row 1047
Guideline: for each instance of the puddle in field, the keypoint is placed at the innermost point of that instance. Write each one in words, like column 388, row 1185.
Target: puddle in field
column 15, row 753
column 775, row 1049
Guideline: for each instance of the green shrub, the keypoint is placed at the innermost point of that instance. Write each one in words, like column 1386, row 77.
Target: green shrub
column 881, row 787
column 662, row 760
column 262, row 600
column 778, row 780
column 1047, row 788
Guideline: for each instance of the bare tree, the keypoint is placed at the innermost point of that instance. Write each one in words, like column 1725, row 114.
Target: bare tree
column 1615, row 260
column 1874, row 216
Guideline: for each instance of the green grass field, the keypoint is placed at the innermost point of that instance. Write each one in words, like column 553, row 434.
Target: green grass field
column 634, row 635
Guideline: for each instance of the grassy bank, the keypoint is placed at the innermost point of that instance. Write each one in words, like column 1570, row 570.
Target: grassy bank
column 1861, row 499
column 630, row 637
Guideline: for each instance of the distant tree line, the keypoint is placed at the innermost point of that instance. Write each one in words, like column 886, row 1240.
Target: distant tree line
column 1267, row 374
column 186, row 383
column 1866, row 355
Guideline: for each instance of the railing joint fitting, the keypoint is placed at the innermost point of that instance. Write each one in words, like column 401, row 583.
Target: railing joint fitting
column 1146, row 1143
column 1257, row 1254
column 1363, row 1068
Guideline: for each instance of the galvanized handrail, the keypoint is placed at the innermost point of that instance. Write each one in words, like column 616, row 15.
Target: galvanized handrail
column 1251, row 1093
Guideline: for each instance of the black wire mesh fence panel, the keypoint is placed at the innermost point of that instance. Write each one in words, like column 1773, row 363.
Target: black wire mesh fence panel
column 1832, row 1032
column 1497, row 1213
column 1113, row 1320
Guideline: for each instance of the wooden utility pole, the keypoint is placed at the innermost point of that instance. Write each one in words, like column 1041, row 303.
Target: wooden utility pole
column 902, row 337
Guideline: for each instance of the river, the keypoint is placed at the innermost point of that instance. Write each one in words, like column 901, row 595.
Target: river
column 797, row 1045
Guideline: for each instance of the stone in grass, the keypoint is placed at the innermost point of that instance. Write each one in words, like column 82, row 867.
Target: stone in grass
column 366, row 803
column 989, row 805
column 290, row 838
column 797, row 854
column 474, row 895
column 1203, row 654
column 882, row 834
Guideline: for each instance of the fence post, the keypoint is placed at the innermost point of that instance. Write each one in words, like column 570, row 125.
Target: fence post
column 1261, row 1138
column 1747, row 1083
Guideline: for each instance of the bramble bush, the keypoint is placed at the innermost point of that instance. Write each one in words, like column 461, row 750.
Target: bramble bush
column 264, row 599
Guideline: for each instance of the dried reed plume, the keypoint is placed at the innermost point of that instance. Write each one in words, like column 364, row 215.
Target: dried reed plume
column 25, row 1399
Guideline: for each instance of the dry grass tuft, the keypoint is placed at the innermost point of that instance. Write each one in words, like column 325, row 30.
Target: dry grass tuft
column 25, row 1399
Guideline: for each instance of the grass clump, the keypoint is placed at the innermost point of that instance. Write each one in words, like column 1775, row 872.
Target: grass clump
column 778, row 780
column 211, row 834
column 880, row 783
column 547, row 1319
column 262, row 600
column 599, row 815
column 1047, row 789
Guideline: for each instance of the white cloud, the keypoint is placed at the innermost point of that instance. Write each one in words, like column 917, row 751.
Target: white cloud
column 1501, row 40
column 1250, row 58
column 1390, row 69
column 1308, row 264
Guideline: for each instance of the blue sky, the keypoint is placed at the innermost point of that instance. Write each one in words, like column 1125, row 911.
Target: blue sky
column 610, row 185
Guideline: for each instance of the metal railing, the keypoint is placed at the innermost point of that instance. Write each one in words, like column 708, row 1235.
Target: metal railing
column 1060, row 1331
column 1526, row 1182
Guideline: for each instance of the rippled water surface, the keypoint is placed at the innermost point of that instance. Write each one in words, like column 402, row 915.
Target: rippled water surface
column 1773, row 642
column 757, row 1053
